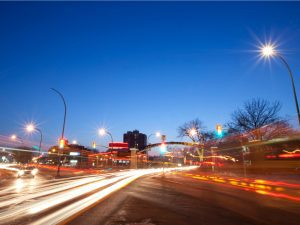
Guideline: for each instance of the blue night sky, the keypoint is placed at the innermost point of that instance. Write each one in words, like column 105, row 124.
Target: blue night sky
column 147, row 66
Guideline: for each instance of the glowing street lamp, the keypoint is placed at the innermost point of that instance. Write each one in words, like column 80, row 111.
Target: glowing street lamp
column 74, row 142
column 157, row 134
column 268, row 51
column 102, row 132
column 13, row 137
column 193, row 132
column 31, row 128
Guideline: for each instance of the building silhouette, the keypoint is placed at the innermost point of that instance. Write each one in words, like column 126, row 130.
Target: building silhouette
column 135, row 139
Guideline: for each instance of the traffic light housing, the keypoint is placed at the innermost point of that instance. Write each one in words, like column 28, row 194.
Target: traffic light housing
column 163, row 147
column 219, row 131
column 62, row 143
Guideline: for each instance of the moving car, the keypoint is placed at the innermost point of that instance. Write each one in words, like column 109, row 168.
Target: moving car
column 27, row 171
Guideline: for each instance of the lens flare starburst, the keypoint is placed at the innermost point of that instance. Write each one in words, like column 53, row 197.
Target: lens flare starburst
column 268, row 51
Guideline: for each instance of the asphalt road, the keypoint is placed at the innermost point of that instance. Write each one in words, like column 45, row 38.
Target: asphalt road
column 40, row 201
column 146, row 197
column 186, row 198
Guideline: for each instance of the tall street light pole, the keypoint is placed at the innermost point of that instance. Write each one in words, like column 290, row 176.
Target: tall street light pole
column 41, row 139
column 157, row 134
column 30, row 128
column 293, row 85
column 63, row 127
column 112, row 141
column 65, row 111
column 269, row 51
column 102, row 132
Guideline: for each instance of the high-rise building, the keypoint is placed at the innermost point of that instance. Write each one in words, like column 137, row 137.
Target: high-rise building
column 135, row 139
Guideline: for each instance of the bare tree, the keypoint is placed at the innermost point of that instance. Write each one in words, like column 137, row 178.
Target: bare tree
column 254, row 115
column 195, row 131
column 277, row 129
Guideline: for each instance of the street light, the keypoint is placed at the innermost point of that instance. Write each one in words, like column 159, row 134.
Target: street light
column 65, row 111
column 192, row 132
column 103, row 132
column 268, row 51
column 31, row 128
column 157, row 134
column 63, row 126
column 14, row 137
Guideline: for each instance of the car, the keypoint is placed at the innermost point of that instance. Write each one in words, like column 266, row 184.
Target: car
column 27, row 171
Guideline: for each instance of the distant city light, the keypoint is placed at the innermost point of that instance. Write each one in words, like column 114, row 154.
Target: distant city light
column 74, row 142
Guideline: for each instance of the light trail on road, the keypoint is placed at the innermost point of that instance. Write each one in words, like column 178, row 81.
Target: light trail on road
column 278, row 189
column 56, row 201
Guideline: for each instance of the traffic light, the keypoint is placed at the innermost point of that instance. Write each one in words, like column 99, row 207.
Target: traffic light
column 219, row 131
column 62, row 143
column 163, row 147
